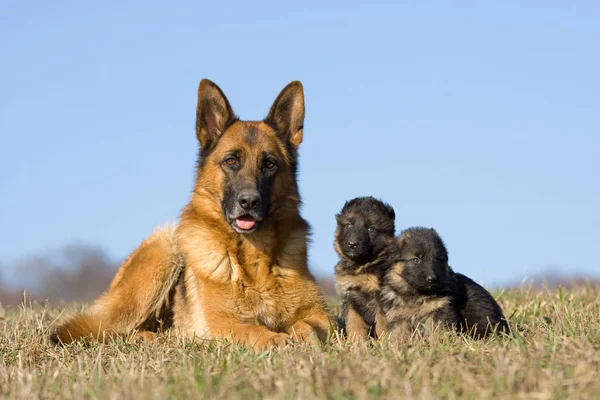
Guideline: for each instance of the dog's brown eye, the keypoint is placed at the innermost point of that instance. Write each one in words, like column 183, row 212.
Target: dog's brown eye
column 348, row 225
column 269, row 164
column 416, row 260
column 230, row 161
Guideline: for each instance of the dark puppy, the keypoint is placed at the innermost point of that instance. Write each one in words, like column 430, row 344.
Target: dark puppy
column 418, row 289
column 421, row 289
column 365, row 230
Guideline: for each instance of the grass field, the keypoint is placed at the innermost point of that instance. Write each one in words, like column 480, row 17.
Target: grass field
column 555, row 353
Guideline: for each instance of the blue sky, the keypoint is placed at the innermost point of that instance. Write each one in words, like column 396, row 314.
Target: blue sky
column 481, row 119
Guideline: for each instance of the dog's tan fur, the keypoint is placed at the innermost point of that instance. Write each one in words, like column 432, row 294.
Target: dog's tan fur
column 204, row 278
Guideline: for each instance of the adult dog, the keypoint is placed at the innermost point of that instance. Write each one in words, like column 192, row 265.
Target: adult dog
column 235, row 267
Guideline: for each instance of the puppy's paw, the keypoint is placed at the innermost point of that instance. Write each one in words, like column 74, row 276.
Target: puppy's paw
column 357, row 337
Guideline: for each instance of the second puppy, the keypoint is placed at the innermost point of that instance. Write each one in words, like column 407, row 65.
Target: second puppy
column 365, row 231
column 421, row 289
column 418, row 289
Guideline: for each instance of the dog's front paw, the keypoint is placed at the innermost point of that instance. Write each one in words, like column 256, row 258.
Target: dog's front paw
column 303, row 332
column 270, row 340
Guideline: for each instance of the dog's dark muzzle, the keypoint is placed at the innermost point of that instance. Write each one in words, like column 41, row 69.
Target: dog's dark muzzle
column 245, row 211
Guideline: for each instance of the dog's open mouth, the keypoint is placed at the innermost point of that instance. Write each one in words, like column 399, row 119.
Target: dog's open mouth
column 245, row 223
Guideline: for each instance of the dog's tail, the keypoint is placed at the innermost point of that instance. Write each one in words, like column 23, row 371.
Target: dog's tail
column 139, row 297
column 86, row 326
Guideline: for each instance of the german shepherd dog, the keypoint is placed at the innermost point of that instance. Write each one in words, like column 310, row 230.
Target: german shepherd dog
column 421, row 290
column 417, row 290
column 365, row 229
column 235, row 267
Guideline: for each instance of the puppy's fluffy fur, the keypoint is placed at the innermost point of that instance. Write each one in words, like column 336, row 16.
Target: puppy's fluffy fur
column 421, row 289
column 365, row 230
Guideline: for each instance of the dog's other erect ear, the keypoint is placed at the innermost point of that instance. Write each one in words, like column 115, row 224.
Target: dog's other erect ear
column 338, row 218
column 390, row 211
column 213, row 113
column 287, row 114
column 401, row 241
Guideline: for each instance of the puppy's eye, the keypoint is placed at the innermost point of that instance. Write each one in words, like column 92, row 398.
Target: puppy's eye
column 231, row 161
column 269, row 164
column 370, row 229
column 348, row 225
column 416, row 260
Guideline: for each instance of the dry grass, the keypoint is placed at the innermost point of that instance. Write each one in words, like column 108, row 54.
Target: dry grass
column 555, row 353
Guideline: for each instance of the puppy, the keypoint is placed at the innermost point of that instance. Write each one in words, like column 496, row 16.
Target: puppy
column 418, row 289
column 365, row 230
column 421, row 289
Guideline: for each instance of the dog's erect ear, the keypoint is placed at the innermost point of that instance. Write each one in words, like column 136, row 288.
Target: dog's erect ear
column 287, row 113
column 403, row 239
column 213, row 113
column 390, row 211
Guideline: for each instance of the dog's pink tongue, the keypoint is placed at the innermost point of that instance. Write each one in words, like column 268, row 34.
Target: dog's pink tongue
column 245, row 222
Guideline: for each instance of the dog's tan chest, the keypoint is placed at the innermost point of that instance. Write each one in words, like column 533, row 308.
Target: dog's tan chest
column 262, row 302
column 245, row 282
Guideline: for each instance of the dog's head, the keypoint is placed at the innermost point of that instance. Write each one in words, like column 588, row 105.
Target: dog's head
column 424, row 259
column 246, row 167
column 365, row 226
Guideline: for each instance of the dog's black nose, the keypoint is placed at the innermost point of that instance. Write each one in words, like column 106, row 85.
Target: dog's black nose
column 431, row 279
column 249, row 200
column 352, row 244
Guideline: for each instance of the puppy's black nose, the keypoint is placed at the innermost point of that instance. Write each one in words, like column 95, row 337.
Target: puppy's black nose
column 431, row 279
column 249, row 200
column 352, row 244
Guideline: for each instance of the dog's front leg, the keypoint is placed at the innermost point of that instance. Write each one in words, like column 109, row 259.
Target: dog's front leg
column 255, row 336
column 380, row 322
column 356, row 327
column 313, row 328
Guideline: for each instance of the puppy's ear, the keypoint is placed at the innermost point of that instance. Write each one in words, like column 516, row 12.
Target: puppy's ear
column 338, row 218
column 213, row 113
column 438, row 239
column 287, row 114
column 390, row 211
column 343, row 208
column 392, row 249
column 403, row 240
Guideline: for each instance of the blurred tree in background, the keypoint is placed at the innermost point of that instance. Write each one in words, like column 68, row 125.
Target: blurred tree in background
column 74, row 273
